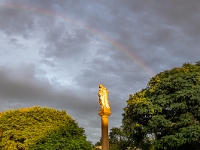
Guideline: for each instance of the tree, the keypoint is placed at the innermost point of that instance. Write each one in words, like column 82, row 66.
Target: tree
column 117, row 139
column 41, row 129
column 166, row 113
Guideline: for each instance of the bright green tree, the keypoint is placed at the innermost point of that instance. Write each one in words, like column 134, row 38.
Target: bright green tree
column 166, row 114
column 41, row 129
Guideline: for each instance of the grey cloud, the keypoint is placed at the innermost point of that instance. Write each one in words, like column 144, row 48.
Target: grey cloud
column 24, row 85
column 63, row 43
column 15, row 21
column 21, row 84
column 47, row 62
column 15, row 43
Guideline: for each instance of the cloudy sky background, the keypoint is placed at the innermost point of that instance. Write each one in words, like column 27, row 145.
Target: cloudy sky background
column 55, row 53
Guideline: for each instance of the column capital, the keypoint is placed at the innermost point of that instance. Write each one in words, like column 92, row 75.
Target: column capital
column 104, row 112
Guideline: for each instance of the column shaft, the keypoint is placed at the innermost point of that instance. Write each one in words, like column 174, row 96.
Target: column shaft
column 104, row 127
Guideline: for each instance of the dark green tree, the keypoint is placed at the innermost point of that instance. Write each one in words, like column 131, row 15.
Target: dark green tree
column 166, row 114
column 41, row 129
column 117, row 139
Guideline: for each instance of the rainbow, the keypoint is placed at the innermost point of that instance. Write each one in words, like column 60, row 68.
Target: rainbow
column 94, row 31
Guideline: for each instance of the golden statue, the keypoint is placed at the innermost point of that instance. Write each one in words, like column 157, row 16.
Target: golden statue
column 103, row 98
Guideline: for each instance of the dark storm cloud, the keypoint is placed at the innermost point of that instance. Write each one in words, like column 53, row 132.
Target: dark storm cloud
column 166, row 30
column 23, row 23
column 21, row 84
column 24, row 84
column 63, row 43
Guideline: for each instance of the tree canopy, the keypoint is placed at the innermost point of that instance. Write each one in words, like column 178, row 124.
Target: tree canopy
column 40, row 129
column 166, row 114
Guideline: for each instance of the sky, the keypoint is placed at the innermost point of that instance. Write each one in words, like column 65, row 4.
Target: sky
column 55, row 53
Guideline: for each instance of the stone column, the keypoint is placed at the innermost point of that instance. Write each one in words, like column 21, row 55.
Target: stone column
column 104, row 112
column 104, row 129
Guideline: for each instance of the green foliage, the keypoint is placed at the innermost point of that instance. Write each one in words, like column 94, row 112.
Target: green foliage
column 117, row 139
column 166, row 113
column 41, row 129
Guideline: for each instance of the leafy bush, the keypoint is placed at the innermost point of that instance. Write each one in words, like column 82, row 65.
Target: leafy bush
column 40, row 129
